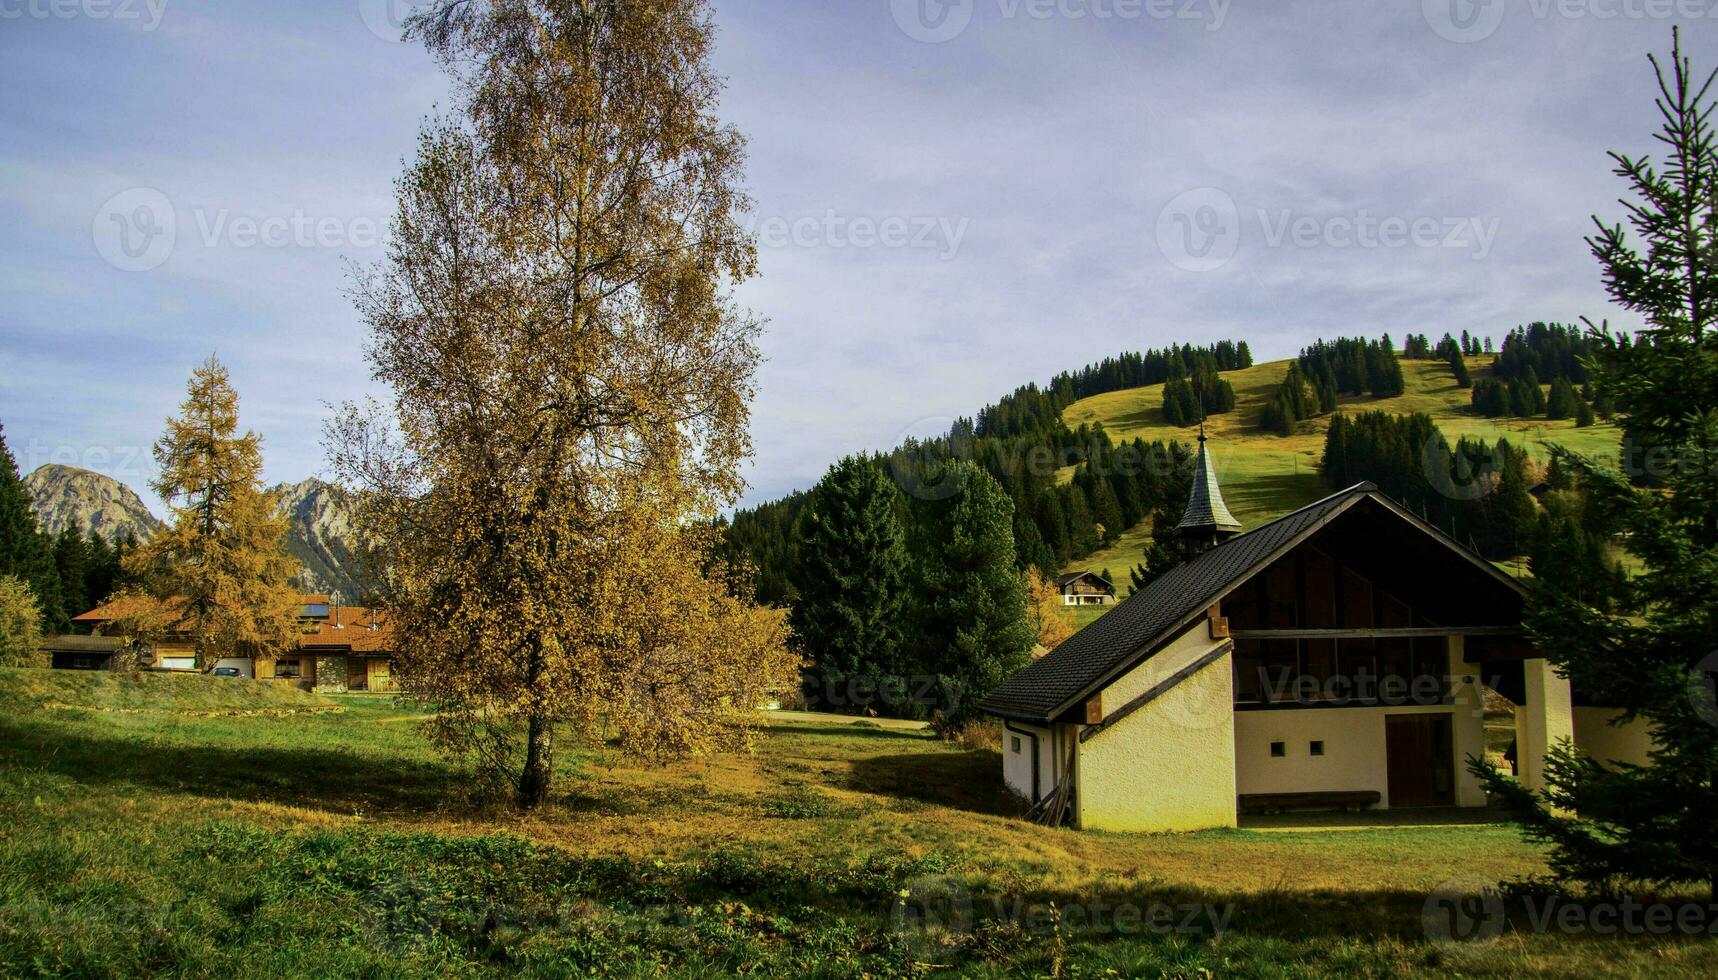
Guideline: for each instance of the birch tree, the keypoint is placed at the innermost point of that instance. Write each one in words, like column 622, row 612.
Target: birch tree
column 570, row 382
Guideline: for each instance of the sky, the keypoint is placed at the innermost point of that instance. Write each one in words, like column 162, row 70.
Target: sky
column 951, row 198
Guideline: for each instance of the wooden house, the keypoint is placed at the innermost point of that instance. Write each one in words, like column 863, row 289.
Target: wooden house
column 1085, row 589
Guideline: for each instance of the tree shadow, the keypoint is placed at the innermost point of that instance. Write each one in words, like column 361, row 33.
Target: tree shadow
column 312, row 777
column 958, row 780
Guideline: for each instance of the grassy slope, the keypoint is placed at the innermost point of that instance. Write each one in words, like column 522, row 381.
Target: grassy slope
column 343, row 844
column 1265, row 475
column 151, row 692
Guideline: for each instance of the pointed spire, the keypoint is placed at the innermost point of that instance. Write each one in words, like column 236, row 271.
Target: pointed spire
column 1207, row 519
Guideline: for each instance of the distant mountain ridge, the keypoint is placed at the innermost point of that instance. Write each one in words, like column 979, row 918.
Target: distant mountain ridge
column 319, row 534
column 64, row 494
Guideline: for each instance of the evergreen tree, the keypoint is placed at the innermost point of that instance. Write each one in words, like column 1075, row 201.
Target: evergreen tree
column 975, row 630
column 852, row 574
column 1617, row 827
column 1561, row 404
column 72, row 561
column 1583, row 415
column 25, row 552
column 221, row 563
column 1458, row 365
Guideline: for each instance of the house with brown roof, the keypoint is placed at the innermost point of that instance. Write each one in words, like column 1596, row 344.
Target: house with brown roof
column 1336, row 657
column 339, row 647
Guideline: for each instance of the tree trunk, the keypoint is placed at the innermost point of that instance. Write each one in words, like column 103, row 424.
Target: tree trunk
column 539, row 760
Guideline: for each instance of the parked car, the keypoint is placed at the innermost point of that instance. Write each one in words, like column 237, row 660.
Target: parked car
column 228, row 672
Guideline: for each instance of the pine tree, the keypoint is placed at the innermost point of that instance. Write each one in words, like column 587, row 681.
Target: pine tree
column 25, row 552
column 974, row 630
column 221, row 564
column 72, row 560
column 1458, row 365
column 1618, row 827
column 852, row 574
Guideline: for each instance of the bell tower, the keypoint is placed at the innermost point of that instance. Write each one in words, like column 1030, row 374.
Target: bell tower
column 1207, row 522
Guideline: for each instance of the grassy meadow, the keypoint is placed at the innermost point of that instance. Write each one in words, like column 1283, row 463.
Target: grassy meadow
column 1265, row 475
column 148, row 833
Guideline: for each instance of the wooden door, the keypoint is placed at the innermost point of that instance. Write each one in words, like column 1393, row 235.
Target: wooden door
column 1420, row 758
column 357, row 674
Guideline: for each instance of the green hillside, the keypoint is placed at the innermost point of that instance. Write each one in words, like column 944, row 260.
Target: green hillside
column 1265, row 475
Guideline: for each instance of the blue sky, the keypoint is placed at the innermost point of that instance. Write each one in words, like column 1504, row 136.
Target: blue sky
column 953, row 199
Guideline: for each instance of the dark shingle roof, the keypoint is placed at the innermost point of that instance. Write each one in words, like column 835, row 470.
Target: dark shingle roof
column 1205, row 506
column 1152, row 615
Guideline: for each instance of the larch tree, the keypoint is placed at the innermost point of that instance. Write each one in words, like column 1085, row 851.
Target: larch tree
column 20, row 625
column 220, row 566
column 570, row 392
column 1616, row 827
column 1048, row 611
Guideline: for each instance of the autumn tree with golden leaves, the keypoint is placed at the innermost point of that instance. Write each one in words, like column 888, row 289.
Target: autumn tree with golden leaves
column 1047, row 609
column 570, row 381
column 221, row 564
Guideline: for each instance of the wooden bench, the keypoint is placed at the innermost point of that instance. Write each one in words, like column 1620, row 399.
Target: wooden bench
column 1278, row 802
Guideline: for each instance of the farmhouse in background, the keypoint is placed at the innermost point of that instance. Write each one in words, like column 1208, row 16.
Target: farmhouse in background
column 1335, row 657
column 340, row 648
column 1085, row 589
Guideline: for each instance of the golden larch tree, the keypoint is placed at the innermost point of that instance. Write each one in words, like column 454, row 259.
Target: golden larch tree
column 1048, row 610
column 570, row 385
column 220, row 566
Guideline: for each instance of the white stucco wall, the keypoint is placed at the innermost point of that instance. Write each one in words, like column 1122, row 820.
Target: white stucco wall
column 1355, row 751
column 1170, row 765
column 1546, row 719
column 1596, row 736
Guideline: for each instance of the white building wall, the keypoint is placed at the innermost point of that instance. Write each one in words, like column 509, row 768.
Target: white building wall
column 1355, row 751
column 1545, row 720
column 1596, row 736
column 1170, row 765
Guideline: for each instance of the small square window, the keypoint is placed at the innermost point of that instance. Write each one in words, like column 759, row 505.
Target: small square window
column 1278, row 750
column 1014, row 744
column 1317, row 747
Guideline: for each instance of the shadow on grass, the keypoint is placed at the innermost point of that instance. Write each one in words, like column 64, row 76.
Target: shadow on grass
column 969, row 780
column 329, row 777
column 838, row 730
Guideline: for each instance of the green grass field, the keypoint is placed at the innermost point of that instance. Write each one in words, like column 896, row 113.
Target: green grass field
column 1265, row 475
column 163, row 837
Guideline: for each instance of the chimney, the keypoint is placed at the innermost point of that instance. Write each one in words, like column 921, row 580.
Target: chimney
column 334, row 602
column 1207, row 522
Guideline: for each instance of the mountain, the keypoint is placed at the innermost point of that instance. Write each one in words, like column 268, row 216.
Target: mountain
column 63, row 494
column 320, row 536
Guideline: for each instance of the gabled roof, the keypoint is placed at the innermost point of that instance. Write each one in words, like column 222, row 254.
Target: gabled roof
column 349, row 632
column 1063, row 580
column 1206, row 510
column 1151, row 617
